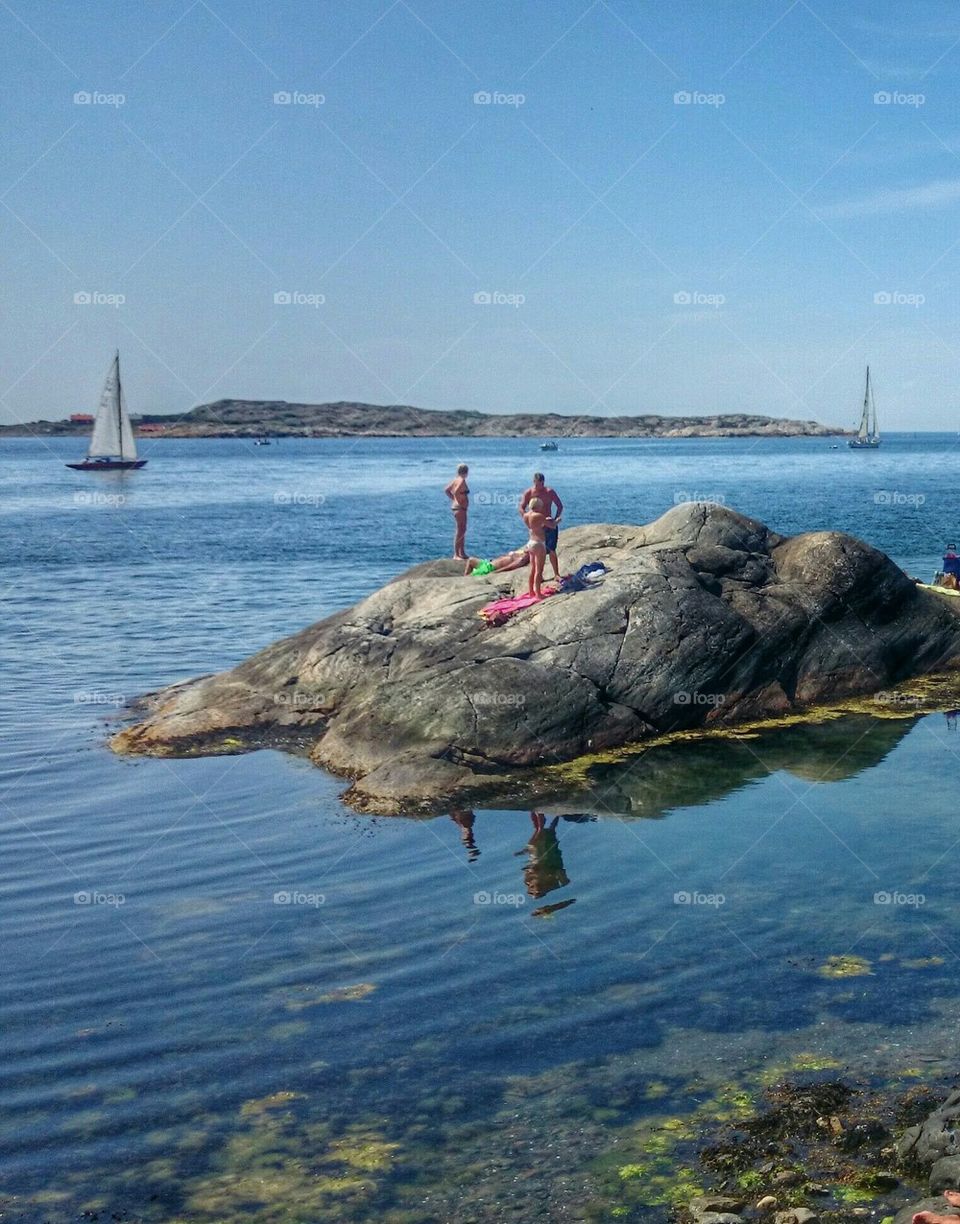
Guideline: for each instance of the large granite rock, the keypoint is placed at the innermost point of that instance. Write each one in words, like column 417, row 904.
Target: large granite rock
column 706, row 617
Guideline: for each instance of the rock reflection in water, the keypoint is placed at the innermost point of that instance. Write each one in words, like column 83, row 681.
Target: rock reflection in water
column 698, row 772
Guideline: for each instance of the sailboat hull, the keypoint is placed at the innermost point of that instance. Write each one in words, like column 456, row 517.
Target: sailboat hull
column 107, row 465
column 856, row 444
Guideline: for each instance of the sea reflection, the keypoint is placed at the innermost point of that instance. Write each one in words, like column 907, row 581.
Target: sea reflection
column 696, row 773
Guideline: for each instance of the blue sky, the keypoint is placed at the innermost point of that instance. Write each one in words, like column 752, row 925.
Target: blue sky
column 746, row 246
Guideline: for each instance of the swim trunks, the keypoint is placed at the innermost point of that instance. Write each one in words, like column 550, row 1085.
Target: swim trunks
column 550, row 538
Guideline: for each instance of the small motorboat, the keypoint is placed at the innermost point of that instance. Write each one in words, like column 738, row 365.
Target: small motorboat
column 113, row 447
column 261, row 441
column 549, row 446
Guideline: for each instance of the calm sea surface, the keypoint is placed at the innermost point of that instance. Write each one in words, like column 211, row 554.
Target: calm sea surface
column 225, row 997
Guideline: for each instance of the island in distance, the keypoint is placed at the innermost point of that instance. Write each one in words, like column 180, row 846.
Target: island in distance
column 233, row 418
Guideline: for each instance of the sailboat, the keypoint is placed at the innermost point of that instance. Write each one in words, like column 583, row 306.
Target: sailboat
column 868, row 435
column 113, row 447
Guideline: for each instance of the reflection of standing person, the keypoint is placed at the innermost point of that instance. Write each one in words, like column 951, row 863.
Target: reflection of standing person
column 553, row 508
column 459, row 495
column 544, row 870
column 465, row 819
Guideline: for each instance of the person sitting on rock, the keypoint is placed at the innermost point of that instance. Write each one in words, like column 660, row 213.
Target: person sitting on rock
column 516, row 559
column 933, row 1217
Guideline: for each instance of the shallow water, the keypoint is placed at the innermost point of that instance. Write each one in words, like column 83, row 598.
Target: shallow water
column 226, row 997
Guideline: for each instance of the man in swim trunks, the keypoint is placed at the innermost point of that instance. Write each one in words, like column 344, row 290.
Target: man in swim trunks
column 553, row 506
column 459, row 494
column 498, row 565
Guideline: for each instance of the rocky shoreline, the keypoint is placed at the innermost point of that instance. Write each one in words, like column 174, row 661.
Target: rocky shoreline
column 821, row 1150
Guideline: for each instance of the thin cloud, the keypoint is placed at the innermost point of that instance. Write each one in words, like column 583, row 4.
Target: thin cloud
column 938, row 194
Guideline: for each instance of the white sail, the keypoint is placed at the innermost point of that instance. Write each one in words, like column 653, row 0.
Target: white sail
column 112, row 432
column 863, row 433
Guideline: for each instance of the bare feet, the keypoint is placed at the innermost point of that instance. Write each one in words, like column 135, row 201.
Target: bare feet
column 472, row 563
column 933, row 1217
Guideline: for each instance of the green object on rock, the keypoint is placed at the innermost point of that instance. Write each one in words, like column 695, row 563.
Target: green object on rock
column 485, row 567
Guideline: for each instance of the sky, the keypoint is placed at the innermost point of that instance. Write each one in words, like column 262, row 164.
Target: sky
column 610, row 207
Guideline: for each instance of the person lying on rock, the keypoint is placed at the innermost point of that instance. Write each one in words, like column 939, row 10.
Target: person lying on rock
column 537, row 523
column 932, row 1217
column 498, row 565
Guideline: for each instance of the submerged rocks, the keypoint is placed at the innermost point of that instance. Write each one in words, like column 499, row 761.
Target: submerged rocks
column 705, row 618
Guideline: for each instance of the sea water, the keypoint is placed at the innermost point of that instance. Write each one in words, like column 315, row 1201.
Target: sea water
column 224, row 996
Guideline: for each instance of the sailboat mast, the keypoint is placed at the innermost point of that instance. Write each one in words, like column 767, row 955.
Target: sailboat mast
column 116, row 360
column 866, row 401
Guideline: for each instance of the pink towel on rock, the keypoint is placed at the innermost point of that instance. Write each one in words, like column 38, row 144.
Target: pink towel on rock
column 501, row 610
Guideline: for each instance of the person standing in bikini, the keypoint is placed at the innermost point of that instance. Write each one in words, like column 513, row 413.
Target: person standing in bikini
column 536, row 522
column 553, row 506
column 459, row 495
